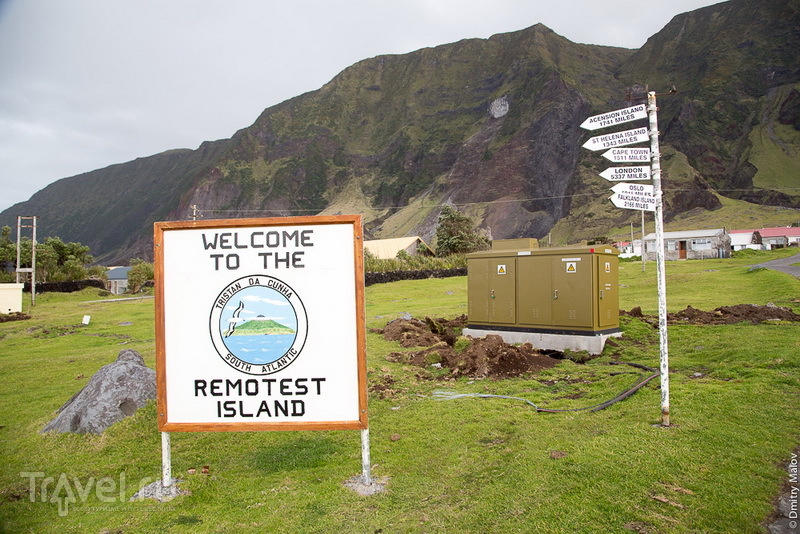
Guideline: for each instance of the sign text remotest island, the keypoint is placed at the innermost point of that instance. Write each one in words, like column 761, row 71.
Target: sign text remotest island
column 259, row 324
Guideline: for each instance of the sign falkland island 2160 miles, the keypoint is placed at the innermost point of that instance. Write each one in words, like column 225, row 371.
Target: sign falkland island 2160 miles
column 259, row 324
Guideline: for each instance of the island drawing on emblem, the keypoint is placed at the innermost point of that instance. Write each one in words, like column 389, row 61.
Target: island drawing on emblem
column 258, row 326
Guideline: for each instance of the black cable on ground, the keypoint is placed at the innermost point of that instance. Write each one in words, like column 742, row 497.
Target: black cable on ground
column 640, row 382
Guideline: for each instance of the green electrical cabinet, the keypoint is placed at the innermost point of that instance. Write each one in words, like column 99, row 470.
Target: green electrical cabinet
column 571, row 290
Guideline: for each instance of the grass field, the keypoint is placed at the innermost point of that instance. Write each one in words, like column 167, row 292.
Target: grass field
column 464, row 465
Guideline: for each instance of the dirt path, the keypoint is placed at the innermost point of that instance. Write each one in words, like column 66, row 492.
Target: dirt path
column 784, row 265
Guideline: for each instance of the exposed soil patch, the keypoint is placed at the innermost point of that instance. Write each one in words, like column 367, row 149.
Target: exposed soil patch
column 54, row 331
column 384, row 387
column 739, row 313
column 417, row 333
column 16, row 316
column 484, row 357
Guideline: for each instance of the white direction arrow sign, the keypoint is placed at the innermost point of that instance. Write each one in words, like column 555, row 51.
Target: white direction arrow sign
column 627, row 155
column 615, row 117
column 628, row 137
column 617, row 174
column 633, row 196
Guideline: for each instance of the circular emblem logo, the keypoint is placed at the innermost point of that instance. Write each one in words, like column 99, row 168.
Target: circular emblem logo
column 258, row 324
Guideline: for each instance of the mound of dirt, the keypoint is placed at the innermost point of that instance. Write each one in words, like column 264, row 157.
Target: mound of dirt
column 417, row 333
column 751, row 313
column 13, row 316
column 484, row 357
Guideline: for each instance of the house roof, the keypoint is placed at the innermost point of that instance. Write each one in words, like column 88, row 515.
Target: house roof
column 742, row 237
column 788, row 231
column 688, row 234
column 386, row 249
column 118, row 273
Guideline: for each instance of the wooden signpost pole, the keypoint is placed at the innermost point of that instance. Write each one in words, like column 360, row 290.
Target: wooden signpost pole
column 652, row 111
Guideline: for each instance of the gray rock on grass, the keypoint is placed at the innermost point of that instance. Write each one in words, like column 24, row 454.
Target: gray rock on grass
column 116, row 391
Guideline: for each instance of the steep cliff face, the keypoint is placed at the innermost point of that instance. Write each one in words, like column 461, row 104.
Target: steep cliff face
column 490, row 125
column 112, row 210
column 725, row 60
column 521, row 183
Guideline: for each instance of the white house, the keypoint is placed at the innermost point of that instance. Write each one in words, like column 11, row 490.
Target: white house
column 766, row 238
column 117, row 280
column 691, row 245
column 628, row 249
column 781, row 236
column 746, row 239
column 386, row 249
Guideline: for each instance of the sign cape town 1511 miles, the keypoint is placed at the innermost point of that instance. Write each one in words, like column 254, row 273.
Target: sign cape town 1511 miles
column 260, row 324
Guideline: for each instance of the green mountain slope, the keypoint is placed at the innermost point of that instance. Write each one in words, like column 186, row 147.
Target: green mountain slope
column 256, row 327
column 490, row 125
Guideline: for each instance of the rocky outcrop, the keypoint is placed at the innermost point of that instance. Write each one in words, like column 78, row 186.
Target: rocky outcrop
column 116, row 391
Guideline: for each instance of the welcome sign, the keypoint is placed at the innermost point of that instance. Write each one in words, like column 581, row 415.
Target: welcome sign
column 260, row 324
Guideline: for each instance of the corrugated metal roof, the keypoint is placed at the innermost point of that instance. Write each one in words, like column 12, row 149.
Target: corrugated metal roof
column 790, row 231
column 742, row 237
column 775, row 231
column 118, row 273
column 688, row 234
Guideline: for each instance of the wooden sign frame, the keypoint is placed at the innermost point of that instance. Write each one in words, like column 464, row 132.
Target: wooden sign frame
column 205, row 385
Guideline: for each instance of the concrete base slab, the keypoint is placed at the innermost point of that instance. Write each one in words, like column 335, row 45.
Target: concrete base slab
column 592, row 344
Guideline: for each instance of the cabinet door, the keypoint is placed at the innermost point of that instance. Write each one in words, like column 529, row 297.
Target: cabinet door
column 502, row 291
column 534, row 290
column 478, row 291
column 608, row 291
column 572, row 291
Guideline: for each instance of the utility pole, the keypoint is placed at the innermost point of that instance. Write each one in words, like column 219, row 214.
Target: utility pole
column 643, row 260
column 632, row 247
column 660, row 267
column 32, row 269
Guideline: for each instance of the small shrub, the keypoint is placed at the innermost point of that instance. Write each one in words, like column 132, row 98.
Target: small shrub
column 141, row 272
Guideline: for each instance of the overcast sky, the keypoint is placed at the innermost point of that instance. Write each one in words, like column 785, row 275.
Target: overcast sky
column 88, row 83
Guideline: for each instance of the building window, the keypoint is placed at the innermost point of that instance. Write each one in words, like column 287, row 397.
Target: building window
column 701, row 244
column 671, row 245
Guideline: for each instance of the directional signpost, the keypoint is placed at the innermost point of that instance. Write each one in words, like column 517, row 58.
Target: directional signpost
column 633, row 196
column 616, row 174
column 628, row 155
column 613, row 118
column 642, row 197
column 628, row 137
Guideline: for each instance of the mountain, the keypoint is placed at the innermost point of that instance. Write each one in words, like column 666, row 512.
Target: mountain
column 490, row 125
column 256, row 327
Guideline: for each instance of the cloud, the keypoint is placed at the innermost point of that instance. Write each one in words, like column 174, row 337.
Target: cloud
column 90, row 83
column 265, row 300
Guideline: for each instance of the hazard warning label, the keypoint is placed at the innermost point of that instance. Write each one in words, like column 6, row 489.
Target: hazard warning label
column 572, row 266
column 501, row 269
